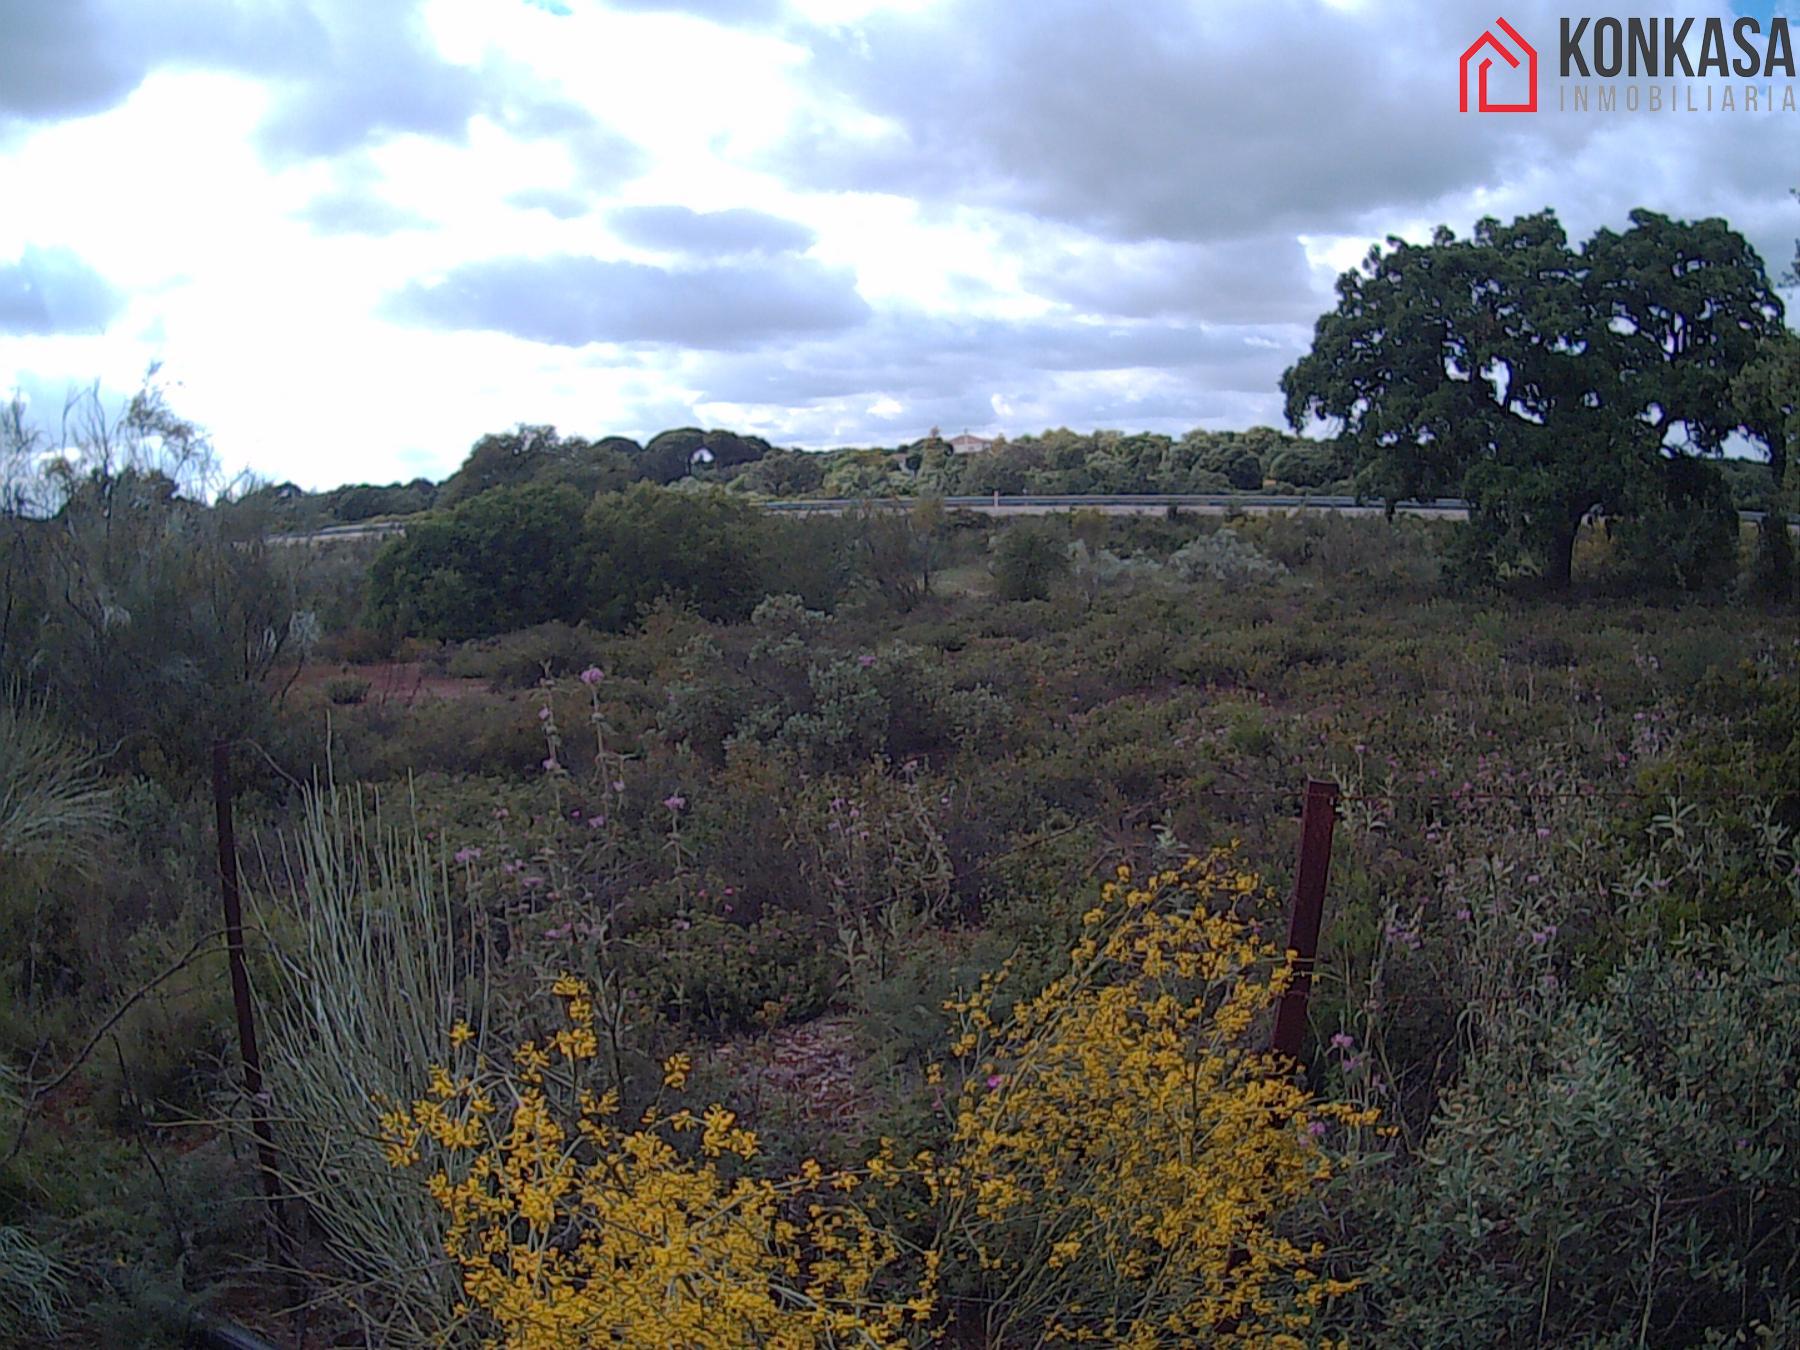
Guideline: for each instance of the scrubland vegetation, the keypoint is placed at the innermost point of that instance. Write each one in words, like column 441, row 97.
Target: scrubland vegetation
column 673, row 924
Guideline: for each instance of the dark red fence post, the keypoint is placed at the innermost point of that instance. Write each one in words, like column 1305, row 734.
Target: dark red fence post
column 240, row 982
column 1317, row 817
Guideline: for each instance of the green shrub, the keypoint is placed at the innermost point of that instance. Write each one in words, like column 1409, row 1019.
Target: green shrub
column 1682, row 537
column 1223, row 556
column 1029, row 559
column 705, row 548
column 710, row 972
column 519, row 659
column 1614, row 1172
column 346, row 690
column 507, row 557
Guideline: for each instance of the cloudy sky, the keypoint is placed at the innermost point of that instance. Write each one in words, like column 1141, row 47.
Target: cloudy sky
column 359, row 233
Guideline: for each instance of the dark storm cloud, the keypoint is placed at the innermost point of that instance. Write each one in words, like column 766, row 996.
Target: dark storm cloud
column 50, row 290
column 341, row 73
column 676, row 229
column 571, row 301
column 75, row 57
column 1164, row 119
column 55, row 61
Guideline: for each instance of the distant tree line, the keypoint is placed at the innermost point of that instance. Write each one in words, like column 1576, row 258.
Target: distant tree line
column 1058, row 462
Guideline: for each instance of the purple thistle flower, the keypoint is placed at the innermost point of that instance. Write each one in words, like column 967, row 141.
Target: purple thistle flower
column 675, row 801
column 592, row 676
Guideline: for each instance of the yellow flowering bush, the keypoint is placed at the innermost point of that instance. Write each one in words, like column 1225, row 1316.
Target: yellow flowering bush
column 1119, row 1165
column 572, row 1229
column 1123, row 1161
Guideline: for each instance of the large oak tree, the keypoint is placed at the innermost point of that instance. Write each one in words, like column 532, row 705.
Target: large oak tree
column 1539, row 381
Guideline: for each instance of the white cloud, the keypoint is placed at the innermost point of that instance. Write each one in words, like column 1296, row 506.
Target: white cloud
column 822, row 221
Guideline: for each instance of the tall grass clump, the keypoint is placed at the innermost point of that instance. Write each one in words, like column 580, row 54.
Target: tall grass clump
column 51, row 797
column 32, row 1286
column 363, row 974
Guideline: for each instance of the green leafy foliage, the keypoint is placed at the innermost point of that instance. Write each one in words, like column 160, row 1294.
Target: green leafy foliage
column 1029, row 560
column 706, row 549
column 538, row 455
column 502, row 559
column 1613, row 1171
column 1538, row 381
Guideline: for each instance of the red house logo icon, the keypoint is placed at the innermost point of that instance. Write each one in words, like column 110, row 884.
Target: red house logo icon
column 1486, row 47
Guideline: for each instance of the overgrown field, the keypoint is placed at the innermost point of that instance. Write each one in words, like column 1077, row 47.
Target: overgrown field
column 900, row 968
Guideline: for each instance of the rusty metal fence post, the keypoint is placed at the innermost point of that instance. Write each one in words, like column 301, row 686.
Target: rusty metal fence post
column 240, row 984
column 1318, row 816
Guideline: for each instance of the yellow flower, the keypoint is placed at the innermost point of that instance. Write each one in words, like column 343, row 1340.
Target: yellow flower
column 1131, row 1128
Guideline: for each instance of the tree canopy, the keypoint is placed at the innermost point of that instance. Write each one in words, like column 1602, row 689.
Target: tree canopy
column 1539, row 381
column 509, row 557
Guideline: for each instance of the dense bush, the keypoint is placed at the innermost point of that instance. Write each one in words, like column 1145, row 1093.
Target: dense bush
column 706, row 549
column 503, row 559
column 1223, row 555
column 829, row 708
column 1613, row 1171
column 1028, row 560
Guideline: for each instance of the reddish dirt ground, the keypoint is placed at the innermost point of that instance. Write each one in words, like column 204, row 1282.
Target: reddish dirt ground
column 809, row 1070
column 402, row 682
